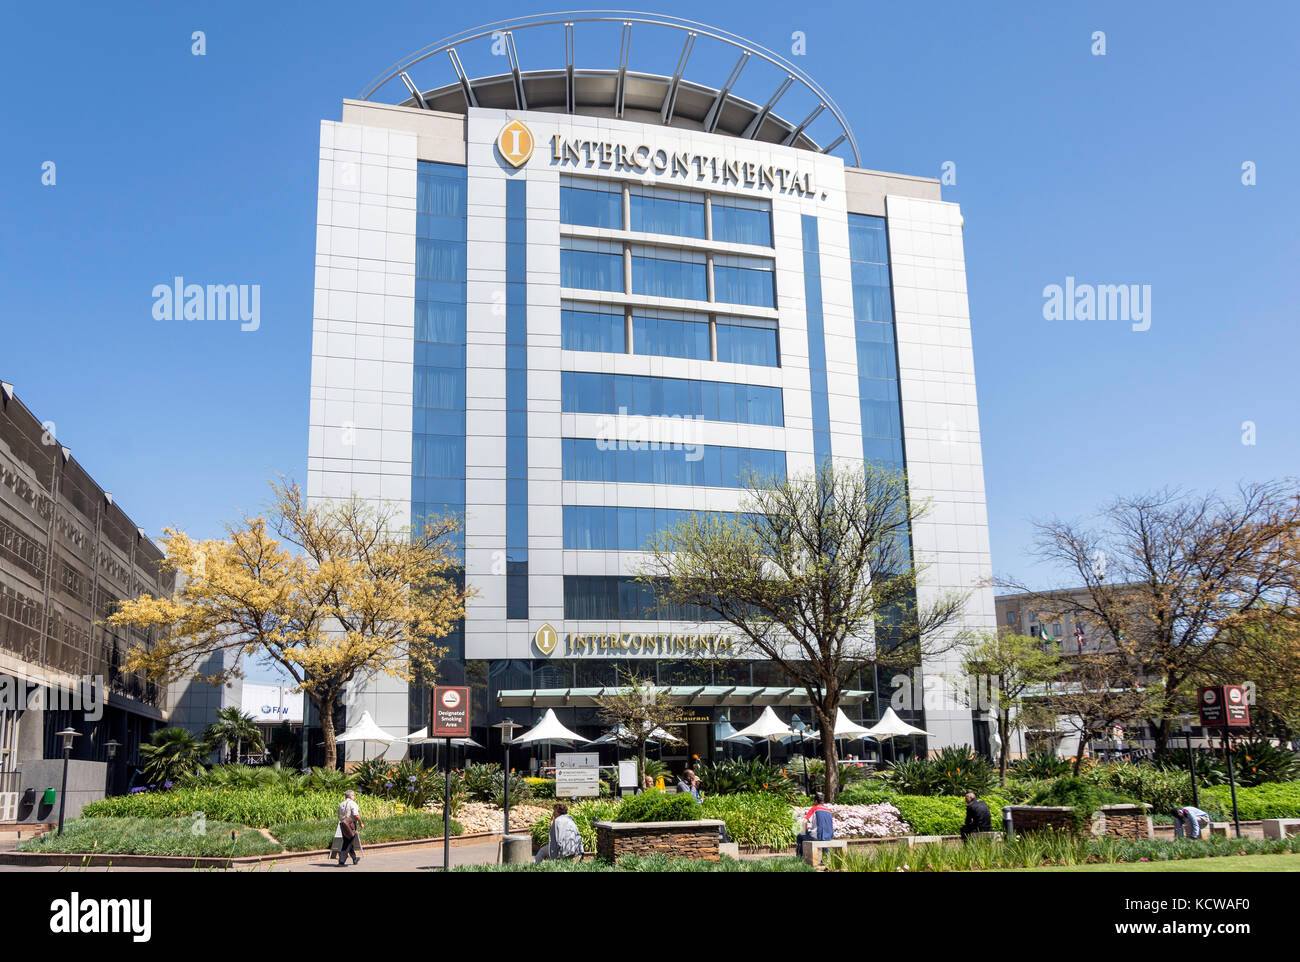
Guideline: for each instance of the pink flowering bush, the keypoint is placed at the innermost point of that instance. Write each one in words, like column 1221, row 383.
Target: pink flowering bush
column 870, row 821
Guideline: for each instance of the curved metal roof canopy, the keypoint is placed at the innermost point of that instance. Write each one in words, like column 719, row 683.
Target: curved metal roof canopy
column 620, row 91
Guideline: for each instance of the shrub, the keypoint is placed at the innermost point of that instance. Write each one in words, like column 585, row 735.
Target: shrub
column 257, row 808
column 486, row 783
column 1084, row 796
column 656, row 806
column 758, row 819
column 1253, row 763
column 1040, row 765
column 1274, row 800
column 585, row 816
column 915, row 776
column 941, row 814
column 542, row 787
column 746, row 775
column 1165, row 790
column 869, row 792
column 959, row 770
column 867, row 821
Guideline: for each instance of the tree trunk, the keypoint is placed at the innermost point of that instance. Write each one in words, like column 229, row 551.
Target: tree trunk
column 826, row 722
column 326, row 709
column 1161, row 734
column 1078, row 759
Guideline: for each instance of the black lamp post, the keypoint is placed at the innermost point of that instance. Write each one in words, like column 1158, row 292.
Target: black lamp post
column 68, row 734
column 507, row 729
column 798, row 725
column 112, row 745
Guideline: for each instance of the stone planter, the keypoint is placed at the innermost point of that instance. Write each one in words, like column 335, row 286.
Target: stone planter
column 1124, row 821
column 1038, row 818
column 698, row 839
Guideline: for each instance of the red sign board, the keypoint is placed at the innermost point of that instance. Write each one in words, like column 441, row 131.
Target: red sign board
column 450, row 713
column 1223, row 706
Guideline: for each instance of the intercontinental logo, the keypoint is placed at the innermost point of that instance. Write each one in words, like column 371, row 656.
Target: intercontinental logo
column 546, row 639
column 515, row 143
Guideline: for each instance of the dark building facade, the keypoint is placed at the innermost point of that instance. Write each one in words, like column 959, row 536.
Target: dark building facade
column 68, row 556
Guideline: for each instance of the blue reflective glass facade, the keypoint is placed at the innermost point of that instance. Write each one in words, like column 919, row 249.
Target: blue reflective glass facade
column 591, row 208
column 882, row 428
column 438, row 408
column 591, row 270
column 812, row 288
column 615, row 598
column 586, row 392
column 738, row 223
column 517, row 398
column 670, row 337
column 718, row 466
column 754, row 286
column 592, row 329
column 608, row 528
column 657, row 214
column 744, row 344
column 669, row 277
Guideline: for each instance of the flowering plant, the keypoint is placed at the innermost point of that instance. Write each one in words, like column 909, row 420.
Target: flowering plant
column 867, row 821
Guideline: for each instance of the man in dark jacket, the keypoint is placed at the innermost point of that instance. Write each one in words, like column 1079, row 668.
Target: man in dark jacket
column 978, row 818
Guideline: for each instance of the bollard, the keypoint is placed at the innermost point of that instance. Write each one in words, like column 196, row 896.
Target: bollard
column 516, row 850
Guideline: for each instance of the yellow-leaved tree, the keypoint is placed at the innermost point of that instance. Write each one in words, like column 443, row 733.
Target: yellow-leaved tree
column 328, row 590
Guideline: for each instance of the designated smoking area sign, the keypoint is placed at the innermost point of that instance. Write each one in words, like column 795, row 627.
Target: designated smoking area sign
column 1223, row 706
column 577, row 775
column 450, row 713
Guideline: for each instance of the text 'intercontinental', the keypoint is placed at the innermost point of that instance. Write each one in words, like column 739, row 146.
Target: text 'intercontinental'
column 681, row 164
column 646, row 644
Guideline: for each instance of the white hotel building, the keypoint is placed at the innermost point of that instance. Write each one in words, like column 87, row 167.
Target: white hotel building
column 504, row 263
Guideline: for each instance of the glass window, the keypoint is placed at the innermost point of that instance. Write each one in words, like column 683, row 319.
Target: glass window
column 591, row 208
column 742, row 344
column 587, row 329
column 670, row 337
column 737, row 223
column 591, row 270
column 585, row 459
column 664, row 277
column 655, row 214
column 744, row 285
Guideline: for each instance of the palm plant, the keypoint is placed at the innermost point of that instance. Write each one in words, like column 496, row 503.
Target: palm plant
column 173, row 755
column 233, row 727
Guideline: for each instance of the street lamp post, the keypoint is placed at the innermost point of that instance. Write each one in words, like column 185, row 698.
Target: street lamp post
column 68, row 734
column 507, row 729
column 112, row 745
column 798, row 725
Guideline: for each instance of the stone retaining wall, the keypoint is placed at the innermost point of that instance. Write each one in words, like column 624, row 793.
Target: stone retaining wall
column 697, row 839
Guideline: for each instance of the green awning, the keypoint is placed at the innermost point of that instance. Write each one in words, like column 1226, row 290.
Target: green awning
column 701, row 696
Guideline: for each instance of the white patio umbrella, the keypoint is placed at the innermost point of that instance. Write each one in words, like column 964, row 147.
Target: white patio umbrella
column 365, row 730
column 549, row 729
column 891, row 726
column 769, row 728
column 422, row 736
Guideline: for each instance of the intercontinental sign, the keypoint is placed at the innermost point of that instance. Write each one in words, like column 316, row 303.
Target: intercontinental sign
column 625, row 643
column 680, row 164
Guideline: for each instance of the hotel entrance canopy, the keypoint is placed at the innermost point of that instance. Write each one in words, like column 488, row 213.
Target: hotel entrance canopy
column 696, row 696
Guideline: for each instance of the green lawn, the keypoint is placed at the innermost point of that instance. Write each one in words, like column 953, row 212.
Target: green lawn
column 1227, row 863
column 154, row 836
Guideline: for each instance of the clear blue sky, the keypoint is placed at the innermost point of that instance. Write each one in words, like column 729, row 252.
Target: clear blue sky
column 1117, row 169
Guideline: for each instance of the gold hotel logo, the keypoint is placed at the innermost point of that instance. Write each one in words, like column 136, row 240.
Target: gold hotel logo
column 546, row 639
column 515, row 142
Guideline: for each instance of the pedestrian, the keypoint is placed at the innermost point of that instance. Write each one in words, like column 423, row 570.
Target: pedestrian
column 565, row 840
column 978, row 818
column 818, row 825
column 347, row 836
column 689, row 784
column 1190, row 822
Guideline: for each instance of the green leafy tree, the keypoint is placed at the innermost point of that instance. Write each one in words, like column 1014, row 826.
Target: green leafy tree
column 233, row 727
column 1007, row 666
column 805, row 573
column 638, row 708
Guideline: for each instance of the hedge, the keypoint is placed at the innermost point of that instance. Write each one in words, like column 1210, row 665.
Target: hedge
column 257, row 808
column 1270, row 800
column 942, row 814
column 154, row 836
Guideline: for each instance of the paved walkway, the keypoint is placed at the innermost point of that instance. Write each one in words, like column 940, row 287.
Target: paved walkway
column 391, row 860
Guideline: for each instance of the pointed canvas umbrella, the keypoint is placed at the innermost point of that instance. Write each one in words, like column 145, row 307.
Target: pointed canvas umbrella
column 549, row 729
column 768, row 727
column 891, row 726
column 365, row 730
